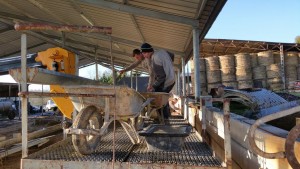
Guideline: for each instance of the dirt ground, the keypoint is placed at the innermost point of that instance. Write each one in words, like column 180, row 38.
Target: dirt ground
column 8, row 127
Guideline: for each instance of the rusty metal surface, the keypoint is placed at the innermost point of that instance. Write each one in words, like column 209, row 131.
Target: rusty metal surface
column 128, row 101
column 227, row 136
column 290, row 146
column 44, row 76
column 160, row 98
column 251, row 134
column 39, row 94
column 62, row 28
column 195, row 154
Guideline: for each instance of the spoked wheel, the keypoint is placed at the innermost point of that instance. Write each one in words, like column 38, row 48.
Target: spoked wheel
column 138, row 123
column 88, row 118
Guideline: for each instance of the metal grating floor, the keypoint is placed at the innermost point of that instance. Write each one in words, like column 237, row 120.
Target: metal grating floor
column 194, row 152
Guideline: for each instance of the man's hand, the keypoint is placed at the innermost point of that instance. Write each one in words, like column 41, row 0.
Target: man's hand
column 150, row 89
column 121, row 72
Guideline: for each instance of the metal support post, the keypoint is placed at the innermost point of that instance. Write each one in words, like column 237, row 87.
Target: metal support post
column 136, row 81
column 188, row 79
column 227, row 136
column 24, row 100
column 196, row 59
column 96, row 65
column 282, row 66
column 76, row 73
column 184, row 89
column 179, row 84
column 131, row 79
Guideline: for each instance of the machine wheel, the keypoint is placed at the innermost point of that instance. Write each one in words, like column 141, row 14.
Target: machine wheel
column 11, row 115
column 89, row 117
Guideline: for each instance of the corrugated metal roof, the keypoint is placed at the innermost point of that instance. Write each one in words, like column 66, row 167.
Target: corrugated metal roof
column 165, row 24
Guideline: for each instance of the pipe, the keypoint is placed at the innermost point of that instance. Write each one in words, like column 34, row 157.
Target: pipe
column 38, row 94
column 64, row 28
column 184, row 88
column 227, row 136
column 290, row 146
column 265, row 119
column 24, row 100
column 196, row 64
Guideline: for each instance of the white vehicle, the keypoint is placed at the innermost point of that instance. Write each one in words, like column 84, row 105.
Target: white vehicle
column 50, row 105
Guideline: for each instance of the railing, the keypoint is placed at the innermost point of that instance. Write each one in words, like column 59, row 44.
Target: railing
column 226, row 117
column 290, row 140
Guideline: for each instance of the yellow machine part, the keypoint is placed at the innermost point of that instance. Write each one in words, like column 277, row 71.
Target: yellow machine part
column 63, row 103
column 65, row 62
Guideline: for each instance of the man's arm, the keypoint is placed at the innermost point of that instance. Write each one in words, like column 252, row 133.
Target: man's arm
column 132, row 66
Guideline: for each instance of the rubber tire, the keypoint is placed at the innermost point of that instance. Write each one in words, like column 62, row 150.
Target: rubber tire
column 86, row 144
column 11, row 115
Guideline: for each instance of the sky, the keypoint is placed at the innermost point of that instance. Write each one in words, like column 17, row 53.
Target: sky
column 257, row 20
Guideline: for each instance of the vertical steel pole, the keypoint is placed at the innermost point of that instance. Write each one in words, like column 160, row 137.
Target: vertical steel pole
column 196, row 59
column 24, row 99
column 203, row 113
column 63, row 34
column 136, row 81
column 282, row 66
column 96, row 65
column 19, row 105
column 76, row 73
column 188, row 79
column 178, row 83
column 227, row 137
column 184, row 88
column 131, row 79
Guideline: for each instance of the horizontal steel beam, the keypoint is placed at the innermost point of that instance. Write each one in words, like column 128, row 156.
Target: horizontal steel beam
column 65, row 28
column 44, row 76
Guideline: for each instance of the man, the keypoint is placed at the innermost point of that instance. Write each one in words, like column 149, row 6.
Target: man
column 164, row 75
column 146, row 64
column 162, row 65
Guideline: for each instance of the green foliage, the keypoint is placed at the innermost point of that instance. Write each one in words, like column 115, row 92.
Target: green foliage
column 106, row 79
column 297, row 39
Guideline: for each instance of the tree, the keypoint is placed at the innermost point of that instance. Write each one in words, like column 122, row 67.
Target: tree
column 297, row 39
column 106, row 79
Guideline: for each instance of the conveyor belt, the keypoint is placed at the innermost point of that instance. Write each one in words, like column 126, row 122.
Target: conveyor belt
column 194, row 152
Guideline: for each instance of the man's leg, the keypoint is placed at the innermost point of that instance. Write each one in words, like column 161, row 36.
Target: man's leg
column 166, row 108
